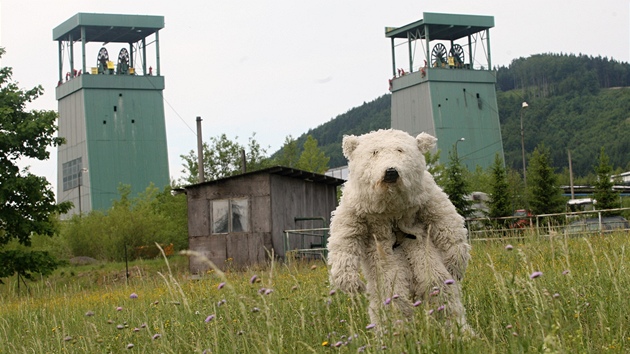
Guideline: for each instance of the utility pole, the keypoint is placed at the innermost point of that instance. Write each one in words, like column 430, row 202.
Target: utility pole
column 200, row 166
column 571, row 175
column 523, row 106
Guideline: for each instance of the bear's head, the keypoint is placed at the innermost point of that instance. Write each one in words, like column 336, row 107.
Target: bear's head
column 386, row 168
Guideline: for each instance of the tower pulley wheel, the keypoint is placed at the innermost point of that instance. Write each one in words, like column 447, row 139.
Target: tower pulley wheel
column 438, row 56
column 101, row 60
column 103, row 56
column 123, row 62
column 457, row 52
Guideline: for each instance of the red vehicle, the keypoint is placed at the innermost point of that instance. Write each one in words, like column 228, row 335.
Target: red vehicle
column 524, row 219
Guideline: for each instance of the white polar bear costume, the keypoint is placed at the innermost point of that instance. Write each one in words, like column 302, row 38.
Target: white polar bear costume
column 397, row 225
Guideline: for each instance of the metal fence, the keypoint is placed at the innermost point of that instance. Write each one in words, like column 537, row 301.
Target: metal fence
column 548, row 225
column 306, row 243
column 311, row 243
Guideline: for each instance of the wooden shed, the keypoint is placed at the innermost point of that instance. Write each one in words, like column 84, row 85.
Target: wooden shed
column 239, row 219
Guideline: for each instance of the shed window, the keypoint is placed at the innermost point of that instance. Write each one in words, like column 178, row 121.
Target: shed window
column 230, row 215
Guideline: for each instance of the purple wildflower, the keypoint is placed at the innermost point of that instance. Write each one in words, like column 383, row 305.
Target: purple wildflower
column 262, row 290
column 120, row 327
column 221, row 285
column 417, row 303
column 535, row 275
column 556, row 295
column 118, row 308
column 387, row 301
column 133, row 296
column 509, row 247
column 370, row 326
column 156, row 336
column 449, row 282
column 221, row 302
column 361, row 349
column 67, row 338
column 268, row 291
column 332, row 292
column 430, row 311
column 144, row 325
column 209, row 318
column 130, row 345
column 441, row 308
column 396, row 296
column 253, row 279
column 338, row 344
column 508, row 326
column 89, row 313
column 255, row 309
column 294, row 287
column 565, row 272
column 136, row 329
column 435, row 292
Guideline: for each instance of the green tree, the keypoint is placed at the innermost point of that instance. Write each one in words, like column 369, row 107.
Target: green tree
column 606, row 197
column 312, row 158
column 545, row 196
column 289, row 154
column 223, row 158
column 517, row 189
column 435, row 168
column 27, row 203
column 479, row 180
column 456, row 186
column 499, row 204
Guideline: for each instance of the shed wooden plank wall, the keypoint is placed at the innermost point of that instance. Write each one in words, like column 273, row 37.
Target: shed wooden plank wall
column 292, row 198
column 237, row 249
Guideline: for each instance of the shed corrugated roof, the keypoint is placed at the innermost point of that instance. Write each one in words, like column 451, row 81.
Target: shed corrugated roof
column 281, row 171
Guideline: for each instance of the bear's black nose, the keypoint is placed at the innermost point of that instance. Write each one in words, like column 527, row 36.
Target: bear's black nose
column 391, row 175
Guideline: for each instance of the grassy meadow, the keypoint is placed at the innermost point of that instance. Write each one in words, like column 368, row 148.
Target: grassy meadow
column 539, row 295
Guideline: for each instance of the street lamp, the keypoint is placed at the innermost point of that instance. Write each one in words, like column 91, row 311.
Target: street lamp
column 456, row 155
column 523, row 106
column 80, row 183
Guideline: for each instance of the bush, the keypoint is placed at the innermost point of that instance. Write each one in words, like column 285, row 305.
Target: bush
column 152, row 217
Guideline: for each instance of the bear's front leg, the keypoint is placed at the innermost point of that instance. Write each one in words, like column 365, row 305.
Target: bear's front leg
column 456, row 259
column 346, row 246
column 389, row 279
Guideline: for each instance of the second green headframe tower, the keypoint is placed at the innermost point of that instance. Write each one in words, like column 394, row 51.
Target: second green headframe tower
column 449, row 92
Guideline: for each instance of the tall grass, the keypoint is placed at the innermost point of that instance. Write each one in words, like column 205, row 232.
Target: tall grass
column 578, row 304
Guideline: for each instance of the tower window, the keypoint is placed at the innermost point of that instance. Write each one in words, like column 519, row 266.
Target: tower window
column 72, row 175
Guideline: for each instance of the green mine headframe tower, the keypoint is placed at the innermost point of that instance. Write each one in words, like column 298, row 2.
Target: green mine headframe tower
column 111, row 110
column 450, row 91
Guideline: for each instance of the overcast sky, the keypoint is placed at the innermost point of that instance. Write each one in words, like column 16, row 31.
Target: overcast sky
column 279, row 68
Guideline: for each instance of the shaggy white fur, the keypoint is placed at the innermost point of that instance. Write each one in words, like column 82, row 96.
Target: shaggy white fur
column 397, row 225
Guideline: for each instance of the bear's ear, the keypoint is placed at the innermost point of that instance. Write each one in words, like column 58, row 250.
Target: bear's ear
column 349, row 143
column 425, row 142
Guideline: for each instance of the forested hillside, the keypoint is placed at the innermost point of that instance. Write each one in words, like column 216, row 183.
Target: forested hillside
column 579, row 103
